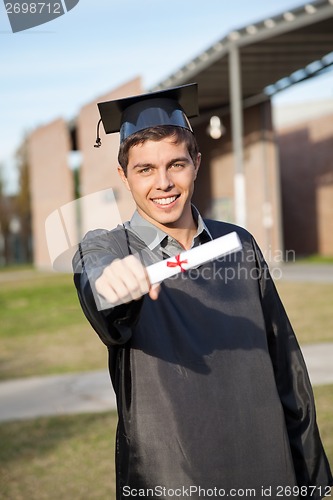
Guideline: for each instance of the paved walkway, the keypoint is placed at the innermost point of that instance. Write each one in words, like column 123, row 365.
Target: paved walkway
column 92, row 392
column 56, row 395
column 316, row 273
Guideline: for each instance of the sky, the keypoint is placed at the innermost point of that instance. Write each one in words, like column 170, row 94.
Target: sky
column 52, row 70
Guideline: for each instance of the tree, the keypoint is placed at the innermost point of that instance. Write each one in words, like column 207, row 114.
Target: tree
column 4, row 222
column 23, row 201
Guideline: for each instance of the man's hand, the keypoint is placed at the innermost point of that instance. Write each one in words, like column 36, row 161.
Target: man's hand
column 125, row 280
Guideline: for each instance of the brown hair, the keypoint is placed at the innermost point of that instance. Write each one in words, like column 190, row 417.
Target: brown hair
column 158, row 133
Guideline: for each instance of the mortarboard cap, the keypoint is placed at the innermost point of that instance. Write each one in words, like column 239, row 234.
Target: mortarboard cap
column 165, row 107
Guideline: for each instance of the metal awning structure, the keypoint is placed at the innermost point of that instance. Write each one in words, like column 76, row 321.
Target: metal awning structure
column 255, row 62
column 274, row 54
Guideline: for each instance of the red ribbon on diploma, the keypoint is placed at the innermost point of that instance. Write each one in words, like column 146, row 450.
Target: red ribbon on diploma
column 177, row 263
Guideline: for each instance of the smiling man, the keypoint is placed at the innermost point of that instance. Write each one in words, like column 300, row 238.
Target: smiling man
column 213, row 395
column 160, row 176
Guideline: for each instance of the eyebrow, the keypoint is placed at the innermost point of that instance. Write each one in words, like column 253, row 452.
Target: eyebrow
column 152, row 165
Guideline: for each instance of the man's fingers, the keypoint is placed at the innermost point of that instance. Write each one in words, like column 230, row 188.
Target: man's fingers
column 126, row 281
column 154, row 291
column 123, row 280
column 110, row 287
column 140, row 278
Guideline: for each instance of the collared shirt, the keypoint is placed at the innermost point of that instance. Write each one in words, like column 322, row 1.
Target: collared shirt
column 155, row 237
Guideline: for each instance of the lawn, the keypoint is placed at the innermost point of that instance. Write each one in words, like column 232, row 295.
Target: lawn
column 310, row 309
column 43, row 330
column 69, row 457
column 72, row 457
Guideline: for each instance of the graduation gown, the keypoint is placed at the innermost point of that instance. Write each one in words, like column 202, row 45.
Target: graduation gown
column 212, row 390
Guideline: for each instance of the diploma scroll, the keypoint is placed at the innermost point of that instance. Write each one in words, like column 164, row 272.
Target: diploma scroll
column 195, row 257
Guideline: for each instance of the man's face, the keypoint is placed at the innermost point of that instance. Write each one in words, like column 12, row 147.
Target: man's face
column 160, row 176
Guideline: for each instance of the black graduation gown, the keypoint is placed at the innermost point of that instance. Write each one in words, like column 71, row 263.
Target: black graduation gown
column 212, row 389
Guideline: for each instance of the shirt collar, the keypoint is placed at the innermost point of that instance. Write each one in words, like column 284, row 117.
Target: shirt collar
column 153, row 236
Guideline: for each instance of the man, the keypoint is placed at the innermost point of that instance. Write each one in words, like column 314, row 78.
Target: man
column 212, row 391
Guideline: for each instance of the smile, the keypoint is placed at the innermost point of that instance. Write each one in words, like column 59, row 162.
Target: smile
column 165, row 201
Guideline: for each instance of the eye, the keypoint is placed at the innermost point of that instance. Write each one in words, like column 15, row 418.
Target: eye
column 145, row 170
column 177, row 165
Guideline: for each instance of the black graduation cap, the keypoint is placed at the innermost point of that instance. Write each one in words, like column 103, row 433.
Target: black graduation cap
column 165, row 107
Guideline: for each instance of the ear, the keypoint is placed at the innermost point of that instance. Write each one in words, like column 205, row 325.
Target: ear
column 197, row 165
column 123, row 177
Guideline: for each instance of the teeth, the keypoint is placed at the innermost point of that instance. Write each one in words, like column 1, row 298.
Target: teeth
column 164, row 201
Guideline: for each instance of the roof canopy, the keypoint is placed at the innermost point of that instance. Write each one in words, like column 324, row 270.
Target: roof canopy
column 274, row 54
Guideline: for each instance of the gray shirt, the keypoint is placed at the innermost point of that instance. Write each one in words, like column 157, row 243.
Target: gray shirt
column 155, row 238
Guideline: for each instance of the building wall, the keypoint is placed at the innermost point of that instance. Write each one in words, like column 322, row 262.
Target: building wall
column 99, row 165
column 51, row 181
column 215, row 183
column 306, row 158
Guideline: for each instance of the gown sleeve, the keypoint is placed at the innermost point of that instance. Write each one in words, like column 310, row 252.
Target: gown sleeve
column 96, row 251
column 295, row 391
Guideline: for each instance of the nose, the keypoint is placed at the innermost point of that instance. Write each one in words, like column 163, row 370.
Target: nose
column 164, row 180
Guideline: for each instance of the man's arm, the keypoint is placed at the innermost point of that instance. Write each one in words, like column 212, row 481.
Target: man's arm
column 110, row 284
column 294, row 388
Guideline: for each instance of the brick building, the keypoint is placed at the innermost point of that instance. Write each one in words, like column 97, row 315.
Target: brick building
column 306, row 166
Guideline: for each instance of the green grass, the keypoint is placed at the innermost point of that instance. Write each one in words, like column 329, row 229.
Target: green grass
column 42, row 301
column 16, row 267
column 309, row 307
column 324, row 403
column 72, row 457
column 48, row 307
column 315, row 259
column 43, row 330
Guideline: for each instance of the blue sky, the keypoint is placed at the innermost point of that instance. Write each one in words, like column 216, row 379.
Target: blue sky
column 54, row 69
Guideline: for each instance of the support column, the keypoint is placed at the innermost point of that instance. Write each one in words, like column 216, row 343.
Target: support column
column 237, row 134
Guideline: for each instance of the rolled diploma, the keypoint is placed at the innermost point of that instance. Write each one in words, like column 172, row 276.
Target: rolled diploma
column 195, row 257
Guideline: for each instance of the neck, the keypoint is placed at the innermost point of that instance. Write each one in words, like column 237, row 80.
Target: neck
column 182, row 230
column 184, row 236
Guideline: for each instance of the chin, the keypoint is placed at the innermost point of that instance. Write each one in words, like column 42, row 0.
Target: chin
column 165, row 217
